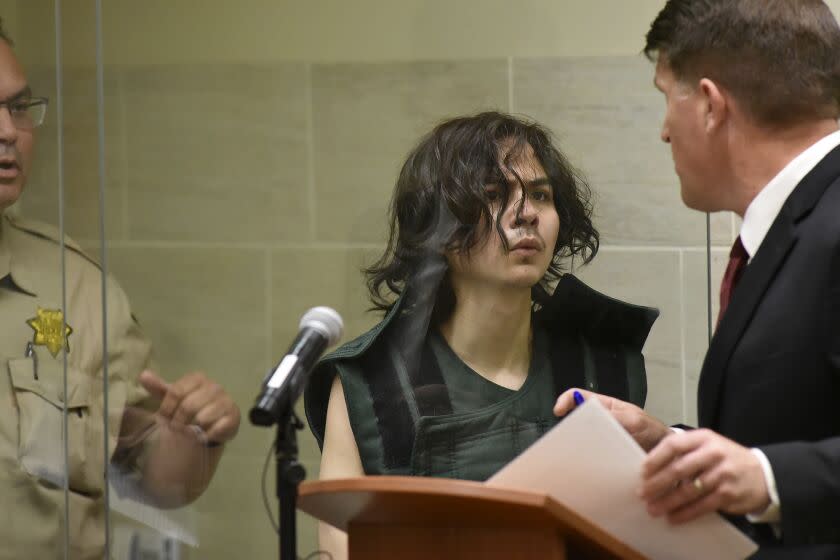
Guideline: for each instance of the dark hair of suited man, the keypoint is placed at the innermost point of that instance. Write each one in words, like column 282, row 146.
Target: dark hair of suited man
column 778, row 58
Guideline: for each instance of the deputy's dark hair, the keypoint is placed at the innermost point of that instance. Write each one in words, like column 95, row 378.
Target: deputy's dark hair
column 778, row 58
column 440, row 202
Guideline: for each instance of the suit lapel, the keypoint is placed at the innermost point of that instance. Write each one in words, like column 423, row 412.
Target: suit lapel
column 755, row 281
column 751, row 288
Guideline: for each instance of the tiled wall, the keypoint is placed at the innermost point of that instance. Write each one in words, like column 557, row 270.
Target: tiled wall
column 238, row 196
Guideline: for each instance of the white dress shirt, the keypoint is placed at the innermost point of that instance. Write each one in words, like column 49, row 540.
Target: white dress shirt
column 760, row 215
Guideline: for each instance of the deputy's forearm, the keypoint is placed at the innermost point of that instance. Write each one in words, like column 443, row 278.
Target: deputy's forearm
column 178, row 468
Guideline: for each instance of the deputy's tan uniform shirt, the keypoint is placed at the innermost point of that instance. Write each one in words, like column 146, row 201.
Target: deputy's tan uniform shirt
column 32, row 467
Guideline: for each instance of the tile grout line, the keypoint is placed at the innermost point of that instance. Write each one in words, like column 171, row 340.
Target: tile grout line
column 653, row 248
column 268, row 308
column 331, row 245
column 732, row 234
column 310, row 155
column 510, row 83
column 158, row 244
column 126, row 225
column 683, row 320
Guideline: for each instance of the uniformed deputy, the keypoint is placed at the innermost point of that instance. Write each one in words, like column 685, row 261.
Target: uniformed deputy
column 462, row 374
column 40, row 339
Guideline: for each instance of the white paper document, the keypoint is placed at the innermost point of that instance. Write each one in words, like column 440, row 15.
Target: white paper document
column 590, row 464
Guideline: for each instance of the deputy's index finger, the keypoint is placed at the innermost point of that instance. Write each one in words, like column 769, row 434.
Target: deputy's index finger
column 153, row 383
column 175, row 393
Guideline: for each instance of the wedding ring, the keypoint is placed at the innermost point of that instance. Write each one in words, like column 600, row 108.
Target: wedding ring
column 698, row 485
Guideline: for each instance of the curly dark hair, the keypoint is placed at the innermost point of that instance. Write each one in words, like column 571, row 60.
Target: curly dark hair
column 440, row 205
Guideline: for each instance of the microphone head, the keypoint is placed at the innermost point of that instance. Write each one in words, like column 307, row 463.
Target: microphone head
column 325, row 320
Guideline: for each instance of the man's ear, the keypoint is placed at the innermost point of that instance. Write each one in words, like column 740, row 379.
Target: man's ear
column 716, row 104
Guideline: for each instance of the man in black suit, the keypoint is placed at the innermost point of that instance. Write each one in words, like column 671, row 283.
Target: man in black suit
column 752, row 91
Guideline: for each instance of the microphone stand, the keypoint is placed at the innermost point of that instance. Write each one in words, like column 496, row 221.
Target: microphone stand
column 319, row 327
column 290, row 473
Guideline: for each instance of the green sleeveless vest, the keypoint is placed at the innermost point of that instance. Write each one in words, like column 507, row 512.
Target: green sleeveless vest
column 489, row 424
column 416, row 409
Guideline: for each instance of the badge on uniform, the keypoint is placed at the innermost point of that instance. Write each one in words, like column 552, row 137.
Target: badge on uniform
column 50, row 330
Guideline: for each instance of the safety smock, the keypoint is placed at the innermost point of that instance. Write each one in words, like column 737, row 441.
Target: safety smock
column 416, row 409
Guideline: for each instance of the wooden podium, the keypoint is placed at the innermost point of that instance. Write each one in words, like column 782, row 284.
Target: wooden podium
column 408, row 518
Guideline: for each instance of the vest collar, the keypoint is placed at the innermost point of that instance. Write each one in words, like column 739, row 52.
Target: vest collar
column 573, row 306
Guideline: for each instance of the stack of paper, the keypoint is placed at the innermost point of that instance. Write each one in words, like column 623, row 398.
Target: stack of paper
column 590, row 464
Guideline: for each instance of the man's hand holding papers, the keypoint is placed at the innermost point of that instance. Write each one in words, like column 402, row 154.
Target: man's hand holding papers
column 699, row 471
column 689, row 474
column 645, row 429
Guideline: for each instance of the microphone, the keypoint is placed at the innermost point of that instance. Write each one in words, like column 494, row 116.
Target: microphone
column 320, row 327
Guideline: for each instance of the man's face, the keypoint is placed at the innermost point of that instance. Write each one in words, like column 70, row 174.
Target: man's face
column 16, row 144
column 683, row 129
column 531, row 227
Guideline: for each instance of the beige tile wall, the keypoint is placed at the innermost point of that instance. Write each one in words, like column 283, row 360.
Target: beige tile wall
column 80, row 153
column 239, row 195
column 216, row 153
column 366, row 117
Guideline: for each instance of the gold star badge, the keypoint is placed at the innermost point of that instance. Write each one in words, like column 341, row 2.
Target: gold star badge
column 48, row 325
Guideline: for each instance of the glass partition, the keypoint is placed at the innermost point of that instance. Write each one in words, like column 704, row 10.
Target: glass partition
column 57, row 425
column 240, row 159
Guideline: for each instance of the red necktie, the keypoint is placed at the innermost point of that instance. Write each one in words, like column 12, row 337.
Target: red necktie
column 738, row 258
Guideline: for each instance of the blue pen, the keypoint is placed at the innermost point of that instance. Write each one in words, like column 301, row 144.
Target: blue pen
column 578, row 398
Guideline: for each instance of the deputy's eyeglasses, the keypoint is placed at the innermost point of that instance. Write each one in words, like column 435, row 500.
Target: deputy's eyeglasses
column 27, row 113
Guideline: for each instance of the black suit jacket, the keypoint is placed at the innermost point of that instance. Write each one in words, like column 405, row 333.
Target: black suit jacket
column 771, row 378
